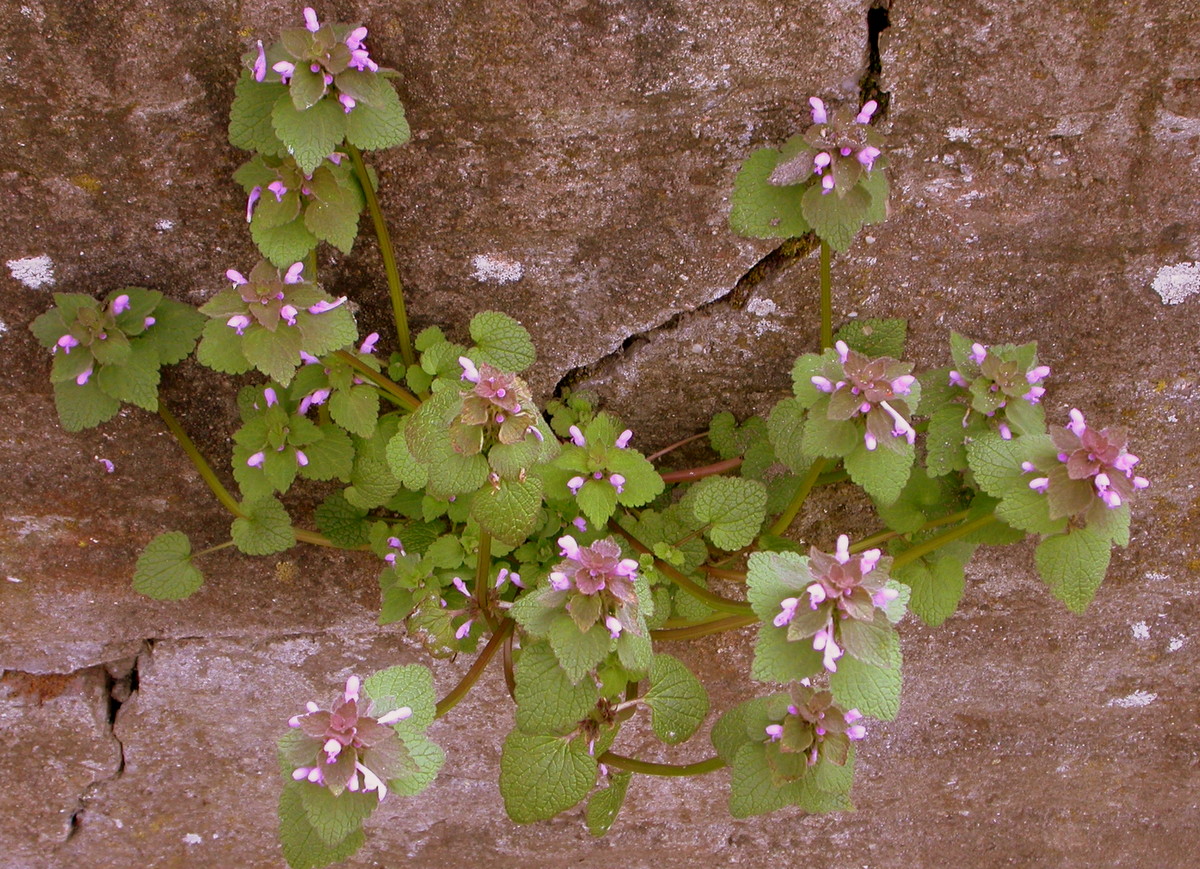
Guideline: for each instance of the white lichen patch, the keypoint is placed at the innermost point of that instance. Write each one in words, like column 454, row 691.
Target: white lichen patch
column 1176, row 283
column 192, row 839
column 164, row 225
column 958, row 134
column 497, row 269
column 1134, row 701
column 1176, row 644
column 1141, row 631
column 3, row 328
column 761, row 307
column 34, row 272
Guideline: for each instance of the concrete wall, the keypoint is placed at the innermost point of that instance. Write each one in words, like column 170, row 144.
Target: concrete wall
column 1046, row 158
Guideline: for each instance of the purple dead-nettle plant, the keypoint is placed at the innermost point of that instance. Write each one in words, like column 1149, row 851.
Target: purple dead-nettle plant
column 1001, row 383
column 345, row 750
column 497, row 407
column 838, row 149
column 595, row 584
column 842, row 606
column 871, row 388
column 813, row 729
column 1091, row 472
column 319, row 59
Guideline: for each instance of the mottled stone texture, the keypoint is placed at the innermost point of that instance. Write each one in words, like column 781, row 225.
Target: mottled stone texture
column 1046, row 158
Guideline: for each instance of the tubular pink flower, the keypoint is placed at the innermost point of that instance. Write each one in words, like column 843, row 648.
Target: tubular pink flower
column 957, row 379
column 308, row 358
column 236, row 277
column 286, row 70
column 1040, row 484
column 1034, row 395
column 360, row 60
column 774, row 732
column 867, row 156
column 323, row 306
column 148, row 322
column 1037, row 375
column 1077, row 424
column 318, row 396
column 823, row 641
column 822, row 383
column 843, row 351
column 614, row 626
column 348, row 102
column 395, row 715
column 856, row 732
column 368, row 344
column 238, row 322
column 120, row 304
column 787, row 612
column 559, row 581
column 256, row 460
column 577, row 436
column 827, row 184
column 816, row 595
column 821, row 161
column 66, row 342
column 1028, row 467
column 470, row 372
column 842, row 552
column 271, row 397
column 289, row 312
column 575, row 484
column 580, row 523
column 845, row 152
column 902, row 385
column 461, row 586
column 301, row 458
column 624, row 438
column 251, row 200
column 626, row 567
column 618, row 483
column 865, row 113
column 869, row 560
column 1139, row 482
column 279, row 189
column 295, row 274
column 870, row 441
column 568, row 547
column 463, row 629
column 884, row 596
column 819, row 115
column 978, row 352
column 83, row 376
column 260, row 63
column 902, row 425
column 310, row 20
column 354, row 39
column 1005, row 431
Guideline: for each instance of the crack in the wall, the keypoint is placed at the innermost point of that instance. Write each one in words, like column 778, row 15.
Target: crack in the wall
column 121, row 685
column 776, row 261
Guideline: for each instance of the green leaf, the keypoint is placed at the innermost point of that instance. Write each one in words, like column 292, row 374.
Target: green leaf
column 136, row 381
column 541, row 776
column 410, row 685
column 331, row 456
column 509, row 510
column 372, row 483
column 344, row 524
column 303, row 847
column 836, row 219
column 312, row 135
column 334, row 817
column 761, row 209
column 597, row 500
column 882, row 472
column 642, row 482
column 164, row 569
column 221, row 349
column 873, row 691
column 266, row 529
column 1073, row 565
column 284, row 244
column 945, row 450
column 831, row 438
column 604, row 805
column 876, row 185
column 936, row 589
column 578, row 653
column 547, row 702
column 502, row 341
column 380, row 125
column 324, row 333
column 786, row 428
column 428, row 758
column 751, row 790
column 356, row 410
column 873, row 642
column 875, row 337
column 733, row 508
column 777, row 659
column 81, row 407
column 744, row 723
column 677, row 700
column 174, row 333
column 996, row 462
column 1029, row 510
column 333, row 216
column 250, row 116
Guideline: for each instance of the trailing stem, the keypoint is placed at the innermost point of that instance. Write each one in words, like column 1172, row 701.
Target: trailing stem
column 459, row 691
column 826, row 297
column 391, row 389
column 631, row 764
column 395, row 288
column 780, row 525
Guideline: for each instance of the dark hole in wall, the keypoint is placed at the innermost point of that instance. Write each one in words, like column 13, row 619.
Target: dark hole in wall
column 878, row 20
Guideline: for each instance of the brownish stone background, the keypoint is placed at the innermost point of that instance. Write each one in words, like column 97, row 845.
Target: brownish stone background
column 1046, row 163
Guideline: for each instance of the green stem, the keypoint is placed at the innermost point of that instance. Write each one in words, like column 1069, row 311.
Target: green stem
column 216, row 548
column 483, row 569
column 670, row 447
column 631, row 764
column 703, row 629
column 697, row 473
column 884, row 536
column 780, row 525
column 394, row 390
column 459, row 691
column 696, row 590
column 395, row 288
column 934, row 543
column 205, row 470
column 722, row 573
column 826, row 297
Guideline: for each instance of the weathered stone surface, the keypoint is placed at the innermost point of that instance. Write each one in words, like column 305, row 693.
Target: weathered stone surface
column 1045, row 167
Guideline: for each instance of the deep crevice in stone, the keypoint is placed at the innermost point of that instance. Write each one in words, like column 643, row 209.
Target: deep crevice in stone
column 871, row 86
column 121, row 681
